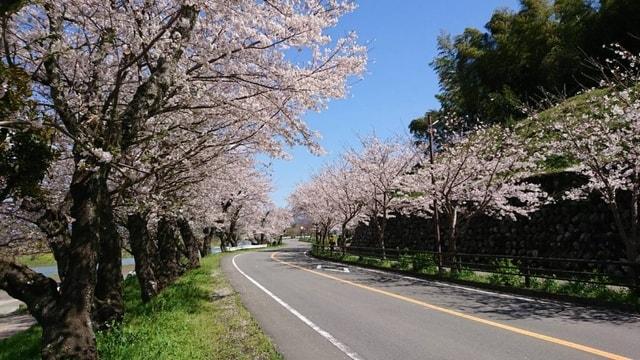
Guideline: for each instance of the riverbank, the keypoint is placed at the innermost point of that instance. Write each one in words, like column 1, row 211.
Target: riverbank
column 198, row 317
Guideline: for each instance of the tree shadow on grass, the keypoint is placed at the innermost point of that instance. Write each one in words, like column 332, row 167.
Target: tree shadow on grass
column 185, row 295
column 24, row 345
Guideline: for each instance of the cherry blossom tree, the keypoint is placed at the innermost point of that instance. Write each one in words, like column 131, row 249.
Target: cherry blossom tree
column 114, row 78
column 603, row 139
column 312, row 201
column 234, row 199
column 347, row 199
column 483, row 172
column 377, row 168
column 274, row 222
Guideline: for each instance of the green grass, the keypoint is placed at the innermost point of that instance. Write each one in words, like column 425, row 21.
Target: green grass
column 44, row 259
column 198, row 317
column 24, row 345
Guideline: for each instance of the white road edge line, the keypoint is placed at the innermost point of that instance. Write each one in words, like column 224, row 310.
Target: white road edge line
column 342, row 347
column 306, row 253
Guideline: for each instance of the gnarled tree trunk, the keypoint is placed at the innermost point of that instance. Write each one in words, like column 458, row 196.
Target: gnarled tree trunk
column 145, row 253
column 108, row 299
column 190, row 243
column 169, row 252
column 64, row 314
column 205, row 245
column 69, row 332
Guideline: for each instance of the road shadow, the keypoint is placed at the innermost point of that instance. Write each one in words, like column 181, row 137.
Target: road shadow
column 481, row 302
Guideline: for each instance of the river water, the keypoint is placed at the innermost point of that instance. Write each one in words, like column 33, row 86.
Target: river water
column 52, row 270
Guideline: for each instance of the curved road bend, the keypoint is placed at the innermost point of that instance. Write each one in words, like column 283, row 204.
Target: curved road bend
column 313, row 309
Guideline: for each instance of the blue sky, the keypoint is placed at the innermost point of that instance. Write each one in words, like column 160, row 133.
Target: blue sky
column 398, row 86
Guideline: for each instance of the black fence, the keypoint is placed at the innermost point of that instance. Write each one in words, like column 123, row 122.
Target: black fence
column 616, row 273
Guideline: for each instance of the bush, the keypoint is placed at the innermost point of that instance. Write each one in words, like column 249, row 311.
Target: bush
column 424, row 263
column 509, row 274
column 405, row 262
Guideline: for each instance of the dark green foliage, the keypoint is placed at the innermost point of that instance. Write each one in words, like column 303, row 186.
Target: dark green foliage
column 424, row 262
column 24, row 158
column 14, row 95
column 405, row 262
column 507, row 274
column 420, row 128
column 9, row 6
column 522, row 56
column 25, row 152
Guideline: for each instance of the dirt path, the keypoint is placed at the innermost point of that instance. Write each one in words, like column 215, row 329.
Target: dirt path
column 12, row 324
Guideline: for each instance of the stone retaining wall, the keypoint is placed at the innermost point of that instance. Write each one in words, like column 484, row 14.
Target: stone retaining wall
column 564, row 229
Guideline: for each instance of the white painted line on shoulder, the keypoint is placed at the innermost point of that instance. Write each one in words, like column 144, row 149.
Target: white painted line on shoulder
column 342, row 347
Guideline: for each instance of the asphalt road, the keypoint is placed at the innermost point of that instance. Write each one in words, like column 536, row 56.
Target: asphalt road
column 313, row 309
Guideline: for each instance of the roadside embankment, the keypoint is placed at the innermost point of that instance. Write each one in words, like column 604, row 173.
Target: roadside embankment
column 198, row 317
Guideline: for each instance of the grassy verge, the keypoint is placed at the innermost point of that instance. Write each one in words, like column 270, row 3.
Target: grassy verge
column 307, row 239
column 198, row 317
column 425, row 266
column 44, row 259
column 23, row 345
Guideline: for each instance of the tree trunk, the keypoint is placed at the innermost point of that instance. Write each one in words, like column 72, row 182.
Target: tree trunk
column 633, row 256
column 169, row 254
column 630, row 240
column 380, row 227
column 68, row 331
column 55, row 225
column 326, row 234
column 453, row 241
column 65, row 315
column 62, row 335
column 342, row 240
column 190, row 243
column 206, row 242
column 145, row 254
column 108, row 299
column 231, row 235
column 234, row 239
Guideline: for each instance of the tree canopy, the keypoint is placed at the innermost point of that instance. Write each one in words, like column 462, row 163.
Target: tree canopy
column 523, row 56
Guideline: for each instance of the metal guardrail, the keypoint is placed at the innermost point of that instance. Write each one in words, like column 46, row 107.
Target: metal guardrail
column 601, row 272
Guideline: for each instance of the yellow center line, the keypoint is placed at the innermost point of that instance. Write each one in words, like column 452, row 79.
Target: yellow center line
column 514, row 329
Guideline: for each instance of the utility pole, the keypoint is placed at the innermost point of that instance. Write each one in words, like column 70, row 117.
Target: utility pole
column 436, row 213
